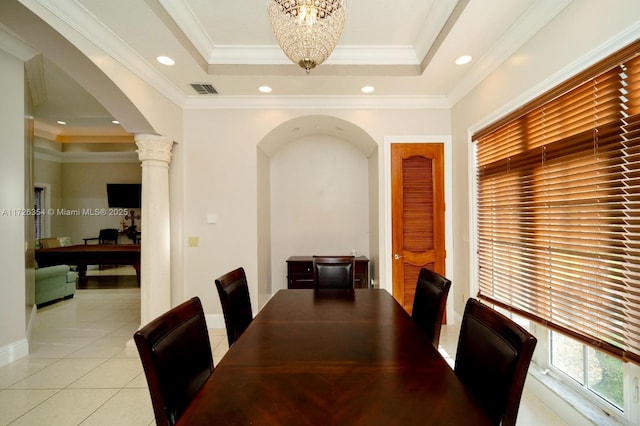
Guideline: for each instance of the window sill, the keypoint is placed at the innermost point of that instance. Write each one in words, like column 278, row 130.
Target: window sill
column 567, row 403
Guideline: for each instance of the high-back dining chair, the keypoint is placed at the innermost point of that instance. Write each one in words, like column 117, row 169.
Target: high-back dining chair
column 492, row 360
column 335, row 272
column 176, row 356
column 429, row 303
column 236, row 303
column 108, row 236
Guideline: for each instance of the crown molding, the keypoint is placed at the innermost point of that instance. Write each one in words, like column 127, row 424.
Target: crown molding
column 34, row 72
column 315, row 102
column 76, row 16
column 624, row 38
column 80, row 135
column 14, row 46
column 528, row 24
column 214, row 54
column 86, row 157
column 190, row 26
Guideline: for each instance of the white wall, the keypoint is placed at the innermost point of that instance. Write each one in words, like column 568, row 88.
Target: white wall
column 319, row 201
column 48, row 170
column 221, row 177
column 12, row 186
column 84, row 186
column 584, row 32
column 264, row 228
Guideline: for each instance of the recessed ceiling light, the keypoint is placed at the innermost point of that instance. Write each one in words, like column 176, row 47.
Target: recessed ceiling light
column 264, row 89
column 367, row 89
column 165, row 60
column 61, row 122
column 463, row 60
column 115, row 121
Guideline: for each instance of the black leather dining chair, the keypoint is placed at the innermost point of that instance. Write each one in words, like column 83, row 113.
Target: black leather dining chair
column 236, row 303
column 429, row 303
column 333, row 272
column 108, row 236
column 176, row 356
column 492, row 360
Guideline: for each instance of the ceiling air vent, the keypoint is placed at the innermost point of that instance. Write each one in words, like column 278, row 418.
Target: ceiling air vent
column 204, row 89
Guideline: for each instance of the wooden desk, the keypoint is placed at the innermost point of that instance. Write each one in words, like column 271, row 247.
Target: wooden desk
column 92, row 254
column 334, row 357
column 300, row 272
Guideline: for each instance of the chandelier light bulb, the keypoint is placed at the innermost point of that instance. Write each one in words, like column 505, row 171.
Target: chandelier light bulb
column 307, row 30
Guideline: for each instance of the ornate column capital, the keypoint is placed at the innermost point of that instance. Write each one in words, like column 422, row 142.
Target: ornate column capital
column 153, row 147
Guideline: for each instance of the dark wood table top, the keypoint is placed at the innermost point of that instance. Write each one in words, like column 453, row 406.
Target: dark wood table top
column 93, row 248
column 333, row 358
column 91, row 254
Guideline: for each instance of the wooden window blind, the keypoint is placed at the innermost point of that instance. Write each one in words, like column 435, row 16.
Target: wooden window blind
column 558, row 208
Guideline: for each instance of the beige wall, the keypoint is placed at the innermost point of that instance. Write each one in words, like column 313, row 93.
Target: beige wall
column 12, row 222
column 540, row 64
column 264, row 228
column 84, row 187
column 75, row 184
column 319, row 201
column 222, row 177
column 48, row 172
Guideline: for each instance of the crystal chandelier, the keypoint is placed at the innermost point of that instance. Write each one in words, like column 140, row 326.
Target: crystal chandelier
column 307, row 30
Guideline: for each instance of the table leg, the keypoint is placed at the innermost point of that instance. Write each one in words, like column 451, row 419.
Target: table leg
column 136, row 266
column 82, row 271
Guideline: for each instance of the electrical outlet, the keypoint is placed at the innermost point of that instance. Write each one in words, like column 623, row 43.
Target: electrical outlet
column 193, row 242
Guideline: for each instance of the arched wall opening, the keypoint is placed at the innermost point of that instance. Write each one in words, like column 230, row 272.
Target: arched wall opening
column 317, row 194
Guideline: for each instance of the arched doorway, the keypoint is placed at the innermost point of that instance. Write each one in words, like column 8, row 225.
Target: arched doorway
column 317, row 194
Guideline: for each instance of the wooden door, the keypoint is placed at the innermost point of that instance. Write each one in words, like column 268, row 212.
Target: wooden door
column 417, row 215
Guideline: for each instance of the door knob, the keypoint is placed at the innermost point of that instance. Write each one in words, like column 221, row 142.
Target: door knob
column 397, row 256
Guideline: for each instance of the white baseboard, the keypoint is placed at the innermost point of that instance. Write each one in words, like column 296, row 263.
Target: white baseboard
column 14, row 351
column 32, row 319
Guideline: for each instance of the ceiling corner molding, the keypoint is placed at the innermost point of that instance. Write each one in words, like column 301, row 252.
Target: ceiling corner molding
column 86, row 157
column 315, row 102
column 438, row 14
column 373, row 55
column 46, row 155
column 34, row 71
column 248, row 54
column 191, row 26
column 100, row 157
column 624, row 38
column 86, row 25
column 14, row 46
column 535, row 17
column 45, row 131
column 446, row 19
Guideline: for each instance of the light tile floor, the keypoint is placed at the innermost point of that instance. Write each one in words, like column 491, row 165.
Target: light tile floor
column 84, row 370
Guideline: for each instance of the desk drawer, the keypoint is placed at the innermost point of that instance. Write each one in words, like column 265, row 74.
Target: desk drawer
column 300, row 272
column 300, row 268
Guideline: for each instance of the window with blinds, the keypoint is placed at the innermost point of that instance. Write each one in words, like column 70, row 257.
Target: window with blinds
column 558, row 208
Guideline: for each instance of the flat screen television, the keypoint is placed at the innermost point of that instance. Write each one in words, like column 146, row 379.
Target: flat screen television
column 124, row 195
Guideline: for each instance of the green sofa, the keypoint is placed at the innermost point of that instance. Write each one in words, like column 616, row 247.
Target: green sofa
column 54, row 283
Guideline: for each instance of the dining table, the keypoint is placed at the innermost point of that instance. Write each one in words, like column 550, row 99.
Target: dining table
column 333, row 357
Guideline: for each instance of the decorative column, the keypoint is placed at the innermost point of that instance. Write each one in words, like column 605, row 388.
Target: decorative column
column 154, row 152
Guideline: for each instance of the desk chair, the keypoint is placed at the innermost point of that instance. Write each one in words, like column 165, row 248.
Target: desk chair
column 429, row 303
column 108, row 236
column 236, row 303
column 335, row 272
column 492, row 360
column 176, row 357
